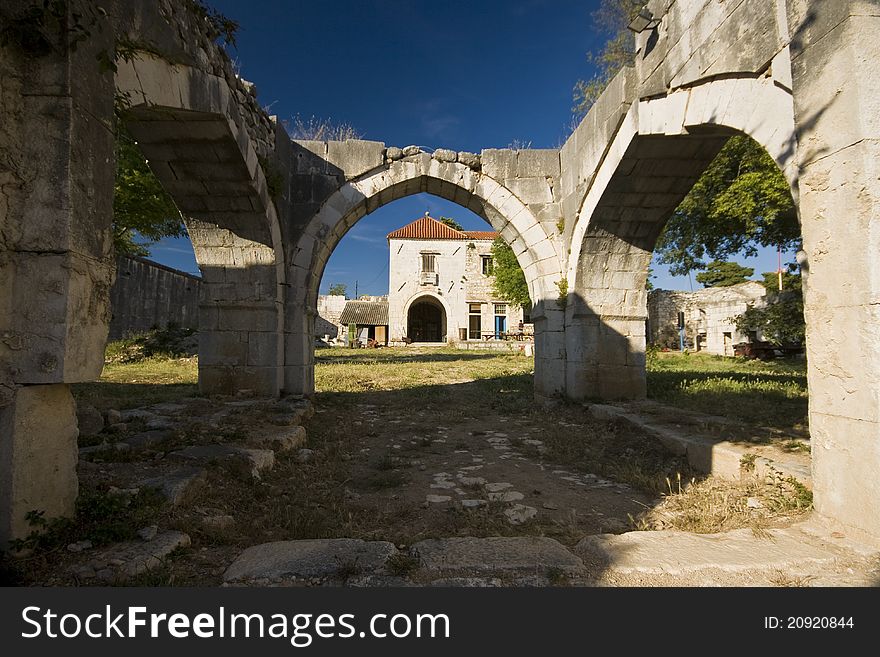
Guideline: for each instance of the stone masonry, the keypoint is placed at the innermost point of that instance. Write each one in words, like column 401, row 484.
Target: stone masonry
column 265, row 212
column 709, row 316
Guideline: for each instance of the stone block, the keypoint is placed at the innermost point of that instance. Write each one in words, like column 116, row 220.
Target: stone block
column 38, row 456
column 309, row 559
column 499, row 164
column 355, row 156
column 509, row 555
column 538, row 163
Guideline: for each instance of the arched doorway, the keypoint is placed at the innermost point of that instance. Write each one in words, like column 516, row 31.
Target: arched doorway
column 426, row 321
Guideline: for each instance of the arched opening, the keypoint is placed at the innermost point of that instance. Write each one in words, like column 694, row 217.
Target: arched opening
column 513, row 221
column 721, row 411
column 426, row 320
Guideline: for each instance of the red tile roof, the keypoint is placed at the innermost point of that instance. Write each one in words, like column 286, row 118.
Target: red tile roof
column 481, row 234
column 428, row 228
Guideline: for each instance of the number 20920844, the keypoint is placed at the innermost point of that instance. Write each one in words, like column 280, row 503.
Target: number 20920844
column 808, row 622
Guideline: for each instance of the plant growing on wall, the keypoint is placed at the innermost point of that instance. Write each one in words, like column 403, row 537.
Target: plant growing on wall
column 510, row 281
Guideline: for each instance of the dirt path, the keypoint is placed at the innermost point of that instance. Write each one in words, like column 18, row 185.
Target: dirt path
column 475, row 476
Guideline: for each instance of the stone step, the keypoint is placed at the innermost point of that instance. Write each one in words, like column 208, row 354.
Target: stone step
column 519, row 555
column 259, row 460
column 681, row 558
column 119, row 563
column 178, row 485
column 311, row 559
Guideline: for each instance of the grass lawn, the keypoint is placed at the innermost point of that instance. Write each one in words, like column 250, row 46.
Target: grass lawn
column 771, row 394
column 150, row 381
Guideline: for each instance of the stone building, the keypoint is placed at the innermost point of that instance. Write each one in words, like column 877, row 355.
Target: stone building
column 441, row 286
column 330, row 307
column 709, row 316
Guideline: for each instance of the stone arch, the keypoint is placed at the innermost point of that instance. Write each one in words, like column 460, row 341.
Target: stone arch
column 505, row 212
column 659, row 151
column 193, row 131
column 436, row 299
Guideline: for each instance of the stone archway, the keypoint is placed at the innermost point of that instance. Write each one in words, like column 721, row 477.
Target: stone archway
column 426, row 321
column 426, row 318
column 661, row 148
column 455, row 181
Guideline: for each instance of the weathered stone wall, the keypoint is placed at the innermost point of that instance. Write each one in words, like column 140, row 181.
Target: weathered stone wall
column 147, row 294
column 709, row 312
column 330, row 307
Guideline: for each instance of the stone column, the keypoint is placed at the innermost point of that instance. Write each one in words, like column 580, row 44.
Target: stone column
column 835, row 49
column 56, row 196
column 240, row 339
column 549, row 350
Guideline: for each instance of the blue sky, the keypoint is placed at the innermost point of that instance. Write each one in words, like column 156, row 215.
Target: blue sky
column 458, row 74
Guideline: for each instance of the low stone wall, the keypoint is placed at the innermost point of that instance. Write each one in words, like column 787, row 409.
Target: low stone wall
column 147, row 294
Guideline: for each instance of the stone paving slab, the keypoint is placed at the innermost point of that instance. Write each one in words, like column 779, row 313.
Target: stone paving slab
column 259, row 459
column 309, row 559
column 120, row 562
column 680, row 553
column 521, row 554
column 177, row 485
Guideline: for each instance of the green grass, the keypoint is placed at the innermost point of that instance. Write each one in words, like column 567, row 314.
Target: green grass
column 772, row 394
column 150, row 381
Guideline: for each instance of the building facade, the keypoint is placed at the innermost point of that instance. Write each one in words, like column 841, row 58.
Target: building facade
column 709, row 316
column 441, row 287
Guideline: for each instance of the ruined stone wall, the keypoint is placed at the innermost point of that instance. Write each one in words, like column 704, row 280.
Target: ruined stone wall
column 709, row 312
column 330, row 307
column 147, row 294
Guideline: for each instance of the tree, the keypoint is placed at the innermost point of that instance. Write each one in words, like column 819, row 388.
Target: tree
column 337, row 289
column 611, row 17
column 452, row 223
column 510, row 282
column 724, row 274
column 141, row 207
column 741, row 201
column 781, row 320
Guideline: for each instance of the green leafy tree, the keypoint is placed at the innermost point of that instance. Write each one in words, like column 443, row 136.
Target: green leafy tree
column 781, row 320
column 452, row 223
column 337, row 289
column 510, row 282
column 742, row 201
column 724, row 274
column 143, row 213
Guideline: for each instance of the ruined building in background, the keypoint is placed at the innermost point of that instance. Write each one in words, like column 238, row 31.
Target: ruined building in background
column 709, row 316
column 440, row 287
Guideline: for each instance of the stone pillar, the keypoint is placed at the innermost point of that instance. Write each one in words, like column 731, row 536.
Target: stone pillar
column 605, row 357
column 299, row 352
column 38, row 455
column 239, row 338
column 549, row 350
column 56, row 206
column 605, row 324
column 835, row 46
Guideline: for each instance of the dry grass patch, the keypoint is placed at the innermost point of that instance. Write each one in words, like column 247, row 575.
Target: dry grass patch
column 718, row 505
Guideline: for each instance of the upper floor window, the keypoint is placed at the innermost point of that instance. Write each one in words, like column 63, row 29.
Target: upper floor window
column 487, row 265
column 429, row 263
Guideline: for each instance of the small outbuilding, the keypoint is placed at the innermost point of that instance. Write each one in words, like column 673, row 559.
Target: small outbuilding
column 370, row 319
